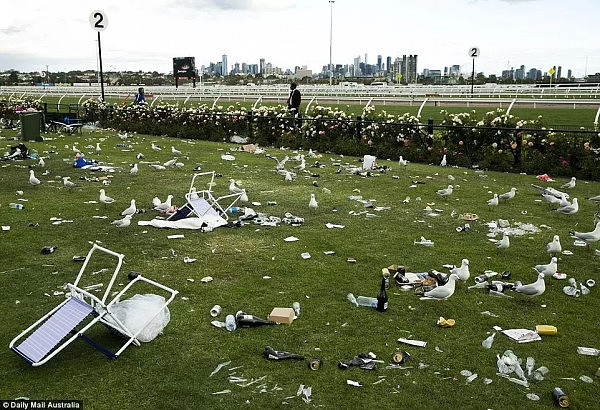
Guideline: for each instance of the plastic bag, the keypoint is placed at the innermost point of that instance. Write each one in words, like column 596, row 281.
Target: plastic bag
column 134, row 312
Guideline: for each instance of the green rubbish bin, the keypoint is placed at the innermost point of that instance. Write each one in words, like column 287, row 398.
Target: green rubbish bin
column 31, row 125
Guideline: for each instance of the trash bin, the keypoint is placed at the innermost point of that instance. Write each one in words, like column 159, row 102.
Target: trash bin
column 31, row 124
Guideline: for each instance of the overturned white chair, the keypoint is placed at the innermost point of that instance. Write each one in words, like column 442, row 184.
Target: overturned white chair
column 203, row 203
column 46, row 337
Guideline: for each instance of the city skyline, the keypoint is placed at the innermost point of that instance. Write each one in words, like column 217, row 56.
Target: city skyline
column 290, row 33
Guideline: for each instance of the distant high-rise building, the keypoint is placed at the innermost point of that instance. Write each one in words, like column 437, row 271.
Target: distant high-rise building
column 236, row 68
column 379, row 62
column 244, row 68
column 366, row 62
column 224, row 71
column 261, row 66
column 508, row 74
column 357, row 67
column 445, row 71
column 538, row 75
column 388, row 64
column 569, row 74
column 554, row 73
column 558, row 73
column 520, row 73
column 532, row 74
column 408, row 69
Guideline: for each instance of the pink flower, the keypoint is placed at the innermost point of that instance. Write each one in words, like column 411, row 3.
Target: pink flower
column 321, row 132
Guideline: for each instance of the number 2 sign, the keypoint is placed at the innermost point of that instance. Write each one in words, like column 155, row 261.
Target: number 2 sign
column 98, row 20
column 474, row 52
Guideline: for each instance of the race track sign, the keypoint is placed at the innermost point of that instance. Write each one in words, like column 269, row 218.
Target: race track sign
column 551, row 71
column 474, row 52
column 98, row 20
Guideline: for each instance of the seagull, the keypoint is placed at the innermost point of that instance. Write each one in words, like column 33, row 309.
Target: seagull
column 244, row 196
column 134, row 169
column 445, row 291
column 445, row 192
column 554, row 246
column 175, row 152
column 32, row 179
column 313, row 202
column 156, row 147
column 68, row 183
column 280, row 164
column 503, row 243
column 76, row 150
column 122, row 136
column 302, row 165
column 42, row 164
column 170, row 162
column 289, row 177
column 551, row 199
column 156, row 201
column 130, row 210
column 98, row 149
column 311, row 154
column 444, row 161
column 588, row 237
column 548, row 269
column 593, row 199
column 570, row 184
column 563, row 201
column 402, row 162
column 122, row 223
column 157, row 167
column 508, row 195
column 569, row 210
column 104, row 198
column 533, row 289
column 233, row 188
column 164, row 206
column 493, row 201
column 462, row 272
column 139, row 155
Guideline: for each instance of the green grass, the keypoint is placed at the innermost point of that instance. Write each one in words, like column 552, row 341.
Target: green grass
column 172, row 371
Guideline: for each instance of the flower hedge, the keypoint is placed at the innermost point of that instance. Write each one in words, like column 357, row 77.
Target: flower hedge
column 496, row 141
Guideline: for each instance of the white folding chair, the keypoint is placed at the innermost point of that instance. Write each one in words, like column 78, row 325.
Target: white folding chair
column 46, row 337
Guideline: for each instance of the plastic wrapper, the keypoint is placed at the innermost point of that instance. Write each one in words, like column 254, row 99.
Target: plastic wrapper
column 135, row 312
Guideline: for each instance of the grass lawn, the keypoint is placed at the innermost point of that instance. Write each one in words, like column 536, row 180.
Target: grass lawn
column 173, row 370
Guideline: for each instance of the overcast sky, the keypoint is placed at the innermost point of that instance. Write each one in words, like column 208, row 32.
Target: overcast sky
column 147, row 34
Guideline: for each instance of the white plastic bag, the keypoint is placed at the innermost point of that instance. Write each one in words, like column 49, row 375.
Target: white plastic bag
column 134, row 312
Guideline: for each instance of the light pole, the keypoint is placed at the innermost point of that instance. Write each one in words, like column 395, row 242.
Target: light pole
column 330, row 42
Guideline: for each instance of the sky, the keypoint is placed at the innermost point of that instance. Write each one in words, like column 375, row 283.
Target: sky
column 146, row 35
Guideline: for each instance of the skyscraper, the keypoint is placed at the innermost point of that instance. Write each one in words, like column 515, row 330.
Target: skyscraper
column 558, row 73
column 388, row 64
column 224, row 71
column 357, row 67
column 379, row 62
column 569, row 74
column 408, row 69
column 261, row 66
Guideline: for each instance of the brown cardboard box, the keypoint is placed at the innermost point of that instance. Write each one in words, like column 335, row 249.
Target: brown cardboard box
column 282, row 315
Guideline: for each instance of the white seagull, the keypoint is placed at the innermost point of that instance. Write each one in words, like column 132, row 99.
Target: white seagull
column 105, row 199
column 312, row 204
column 244, row 196
column 233, row 188
column 444, row 161
column 302, row 165
column 554, row 246
column 41, row 163
column 508, row 195
column 175, row 152
column 462, row 271
column 98, row 149
column 134, row 169
column 548, row 269
column 443, row 292
column 164, row 206
column 130, row 210
column 402, row 162
column 551, row 199
column 593, row 199
column 156, row 147
column 445, row 192
column 122, row 223
column 493, row 201
column 68, row 183
column 170, row 162
column 32, row 179
column 570, row 209
column 532, row 289
column 570, row 184
column 157, row 167
column 563, row 201
column 588, row 237
column 156, row 201
column 503, row 243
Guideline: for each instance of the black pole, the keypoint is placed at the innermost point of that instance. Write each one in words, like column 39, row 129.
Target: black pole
column 473, row 78
column 101, row 74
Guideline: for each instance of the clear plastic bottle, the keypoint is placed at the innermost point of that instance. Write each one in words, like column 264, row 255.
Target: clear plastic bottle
column 296, row 307
column 366, row 301
column 16, row 206
column 352, row 299
column 230, row 323
column 487, row 343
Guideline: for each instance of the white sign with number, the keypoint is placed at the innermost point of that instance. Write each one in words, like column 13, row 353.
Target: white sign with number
column 474, row 52
column 98, row 20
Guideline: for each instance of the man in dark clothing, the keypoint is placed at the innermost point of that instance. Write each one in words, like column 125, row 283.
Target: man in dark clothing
column 293, row 101
column 140, row 99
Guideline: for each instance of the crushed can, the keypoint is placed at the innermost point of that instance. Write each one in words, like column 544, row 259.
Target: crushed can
column 315, row 364
column 560, row 398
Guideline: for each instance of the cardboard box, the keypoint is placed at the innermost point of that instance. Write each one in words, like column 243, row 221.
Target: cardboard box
column 282, row 315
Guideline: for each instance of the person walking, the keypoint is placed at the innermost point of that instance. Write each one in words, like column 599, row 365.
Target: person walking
column 293, row 103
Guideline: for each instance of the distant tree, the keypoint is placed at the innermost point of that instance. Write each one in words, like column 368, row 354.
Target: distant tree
column 13, row 78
